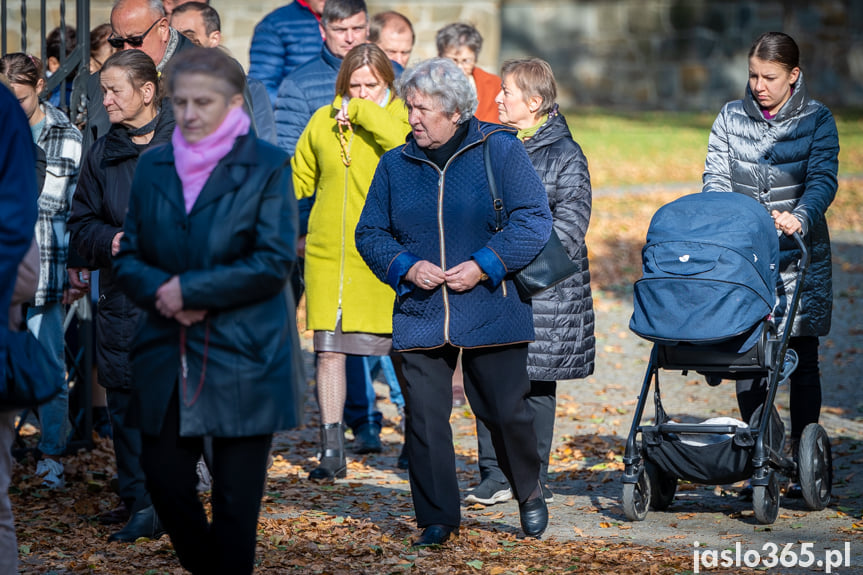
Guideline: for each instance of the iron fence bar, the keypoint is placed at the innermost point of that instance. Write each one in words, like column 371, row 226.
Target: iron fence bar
column 24, row 26
column 43, row 41
column 3, row 27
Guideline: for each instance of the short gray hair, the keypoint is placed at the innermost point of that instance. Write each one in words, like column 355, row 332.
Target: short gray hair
column 156, row 7
column 456, row 35
column 443, row 81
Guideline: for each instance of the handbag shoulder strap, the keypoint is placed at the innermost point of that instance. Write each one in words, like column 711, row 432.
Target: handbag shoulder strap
column 492, row 186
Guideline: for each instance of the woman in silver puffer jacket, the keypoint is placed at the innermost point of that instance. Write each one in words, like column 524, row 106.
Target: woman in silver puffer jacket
column 781, row 147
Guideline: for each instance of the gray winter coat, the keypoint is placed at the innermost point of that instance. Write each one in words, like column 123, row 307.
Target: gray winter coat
column 787, row 163
column 563, row 315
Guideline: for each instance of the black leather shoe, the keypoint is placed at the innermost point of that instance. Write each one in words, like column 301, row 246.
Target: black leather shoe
column 367, row 439
column 534, row 516
column 435, row 535
column 144, row 523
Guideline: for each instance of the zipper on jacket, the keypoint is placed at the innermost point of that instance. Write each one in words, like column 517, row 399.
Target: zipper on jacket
column 441, row 179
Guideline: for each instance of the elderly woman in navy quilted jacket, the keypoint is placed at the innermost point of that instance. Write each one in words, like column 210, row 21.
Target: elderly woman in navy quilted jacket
column 428, row 230
column 781, row 147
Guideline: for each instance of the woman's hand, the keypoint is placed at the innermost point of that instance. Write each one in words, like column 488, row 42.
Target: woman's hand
column 169, row 297
column 342, row 115
column 115, row 243
column 79, row 278
column 189, row 316
column 425, row 275
column 786, row 222
column 464, row 276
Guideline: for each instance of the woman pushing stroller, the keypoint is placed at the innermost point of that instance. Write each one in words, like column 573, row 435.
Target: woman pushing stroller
column 780, row 147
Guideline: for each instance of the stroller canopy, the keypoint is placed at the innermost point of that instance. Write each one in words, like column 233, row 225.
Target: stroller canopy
column 710, row 270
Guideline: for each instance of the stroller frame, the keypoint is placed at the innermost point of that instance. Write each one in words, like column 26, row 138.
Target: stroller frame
column 647, row 484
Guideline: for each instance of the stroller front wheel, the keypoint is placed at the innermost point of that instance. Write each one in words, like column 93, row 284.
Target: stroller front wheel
column 815, row 466
column 636, row 498
column 765, row 500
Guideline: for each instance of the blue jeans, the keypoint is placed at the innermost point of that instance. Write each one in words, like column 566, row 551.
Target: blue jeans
column 360, row 403
column 383, row 365
column 46, row 324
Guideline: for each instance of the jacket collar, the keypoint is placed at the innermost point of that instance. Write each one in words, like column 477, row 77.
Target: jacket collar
column 791, row 108
column 477, row 133
column 229, row 174
column 553, row 130
column 330, row 59
column 119, row 146
column 54, row 117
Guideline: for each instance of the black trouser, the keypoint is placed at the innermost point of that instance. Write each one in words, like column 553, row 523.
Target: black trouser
column 496, row 385
column 131, row 482
column 227, row 545
column 805, row 388
column 542, row 402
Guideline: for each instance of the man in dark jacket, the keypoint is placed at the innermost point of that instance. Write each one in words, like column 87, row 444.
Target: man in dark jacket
column 18, row 206
column 284, row 39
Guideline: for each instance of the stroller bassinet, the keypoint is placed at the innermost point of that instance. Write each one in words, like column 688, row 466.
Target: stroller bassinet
column 708, row 289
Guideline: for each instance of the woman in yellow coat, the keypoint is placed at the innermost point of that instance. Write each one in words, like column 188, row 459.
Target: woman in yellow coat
column 347, row 307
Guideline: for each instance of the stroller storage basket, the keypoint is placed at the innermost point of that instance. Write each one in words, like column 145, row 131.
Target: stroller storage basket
column 718, row 462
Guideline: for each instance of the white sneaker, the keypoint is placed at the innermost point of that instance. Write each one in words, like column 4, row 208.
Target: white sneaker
column 489, row 492
column 51, row 472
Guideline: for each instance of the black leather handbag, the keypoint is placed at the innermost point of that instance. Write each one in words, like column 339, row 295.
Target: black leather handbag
column 550, row 267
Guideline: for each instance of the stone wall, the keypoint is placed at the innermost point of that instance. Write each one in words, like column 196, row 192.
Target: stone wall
column 635, row 54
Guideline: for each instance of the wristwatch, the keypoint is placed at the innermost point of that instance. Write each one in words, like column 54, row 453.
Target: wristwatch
column 483, row 277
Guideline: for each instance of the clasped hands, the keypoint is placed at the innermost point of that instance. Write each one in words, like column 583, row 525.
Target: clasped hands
column 169, row 303
column 460, row 278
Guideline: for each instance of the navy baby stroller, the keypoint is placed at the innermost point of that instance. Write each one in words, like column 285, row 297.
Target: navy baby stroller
column 706, row 299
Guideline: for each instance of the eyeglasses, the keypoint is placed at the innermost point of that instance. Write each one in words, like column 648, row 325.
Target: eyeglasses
column 133, row 41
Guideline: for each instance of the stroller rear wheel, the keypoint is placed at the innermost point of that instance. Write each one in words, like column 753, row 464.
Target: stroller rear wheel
column 765, row 500
column 636, row 497
column 662, row 486
column 815, row 466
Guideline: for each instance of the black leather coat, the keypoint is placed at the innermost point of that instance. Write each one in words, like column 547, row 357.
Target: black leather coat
column 563, row 315
column 233, row 252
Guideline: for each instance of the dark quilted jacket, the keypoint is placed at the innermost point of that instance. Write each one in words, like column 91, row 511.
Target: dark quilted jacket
column 98, row 210
column 284, row 39
column 306, row 89
column 563, row 315
column 788, row 163
column 414, row 211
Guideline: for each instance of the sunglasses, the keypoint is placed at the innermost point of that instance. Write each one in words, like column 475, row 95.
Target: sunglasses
column 133, row 41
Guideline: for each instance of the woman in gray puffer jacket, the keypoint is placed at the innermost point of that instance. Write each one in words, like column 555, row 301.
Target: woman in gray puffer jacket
column 781, row 147
column 563, row 315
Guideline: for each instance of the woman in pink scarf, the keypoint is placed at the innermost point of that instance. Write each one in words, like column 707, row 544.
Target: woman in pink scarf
column 209, row 244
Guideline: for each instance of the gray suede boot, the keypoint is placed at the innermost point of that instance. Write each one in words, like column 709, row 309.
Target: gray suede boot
column 333, row 464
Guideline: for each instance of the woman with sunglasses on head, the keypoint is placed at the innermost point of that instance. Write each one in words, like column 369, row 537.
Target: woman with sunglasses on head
column 61, row 142
column 781, row 147
column 131, row 89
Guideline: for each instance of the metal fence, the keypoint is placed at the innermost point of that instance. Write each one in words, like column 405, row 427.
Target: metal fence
column 74, row 66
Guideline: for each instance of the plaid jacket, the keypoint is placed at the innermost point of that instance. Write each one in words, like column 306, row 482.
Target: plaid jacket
column 62, row 144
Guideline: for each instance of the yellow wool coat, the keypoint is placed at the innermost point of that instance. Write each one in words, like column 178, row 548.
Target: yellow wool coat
column 335, row 274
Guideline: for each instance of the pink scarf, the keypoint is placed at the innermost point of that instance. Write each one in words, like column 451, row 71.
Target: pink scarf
column 195, row 162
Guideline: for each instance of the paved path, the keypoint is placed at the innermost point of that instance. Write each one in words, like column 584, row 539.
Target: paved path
column 594, row 416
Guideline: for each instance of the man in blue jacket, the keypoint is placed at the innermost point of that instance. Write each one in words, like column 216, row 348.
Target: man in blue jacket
column 18, row 195
column 284, row 39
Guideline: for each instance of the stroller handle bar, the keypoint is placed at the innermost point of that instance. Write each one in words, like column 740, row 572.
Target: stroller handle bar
column 804, row 251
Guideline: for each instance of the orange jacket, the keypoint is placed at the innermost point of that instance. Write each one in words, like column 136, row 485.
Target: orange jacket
column 487, row 89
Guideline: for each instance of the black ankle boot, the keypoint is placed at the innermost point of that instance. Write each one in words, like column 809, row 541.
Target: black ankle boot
column 333, row 464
